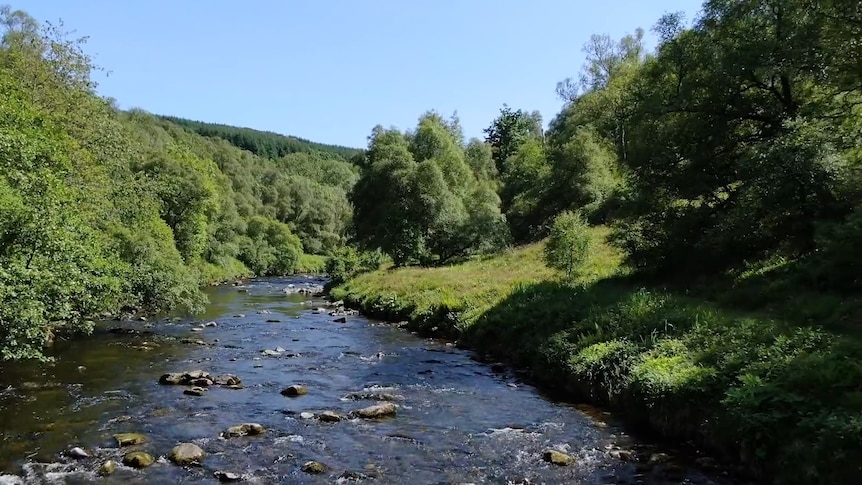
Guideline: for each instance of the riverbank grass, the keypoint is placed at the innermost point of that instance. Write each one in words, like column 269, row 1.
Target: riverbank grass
column 310, row 264
column 781, row 399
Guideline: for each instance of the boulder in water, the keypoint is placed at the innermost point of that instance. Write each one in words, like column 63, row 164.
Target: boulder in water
column 138, row 459
column 374, row 396
column 227, row 477
column 227, row 380
column 171, row 379
column 78, row 452
column 294, row 390
column 107, row 468
column 377, row 411
column 558, row 458
column 329, row 417
column 195, row 391
column 187, row 454
column 130, row 439
column 245, row 429
column 313, row 467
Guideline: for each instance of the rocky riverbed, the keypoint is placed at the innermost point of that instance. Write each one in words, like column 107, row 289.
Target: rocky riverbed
column 276, row 385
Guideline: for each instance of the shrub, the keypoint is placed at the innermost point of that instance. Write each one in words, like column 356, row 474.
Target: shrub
column 348, row 262
column 569, row 243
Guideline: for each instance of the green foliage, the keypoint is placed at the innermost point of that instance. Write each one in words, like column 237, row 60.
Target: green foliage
column 311, row 264
column 735, row 142
column 568, row 245
column 348, row 262
column 508, row 131
column 269, row 247
column 420, row 200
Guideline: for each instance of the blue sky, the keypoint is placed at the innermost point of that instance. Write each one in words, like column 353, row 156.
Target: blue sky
column 329, row 70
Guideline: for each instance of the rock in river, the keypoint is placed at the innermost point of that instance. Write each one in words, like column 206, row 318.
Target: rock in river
column 107, row 468
column 129, row 439
column 227, row 477
column 313, row 467
column 329, row 417
column 557, row 458
column 227, row 380
column 78, row 452
column 245, row 429
column 187, row 454
column 195, row 391
column 377, row 411
column 199, row 378
column 138, row 459
column 295, row 390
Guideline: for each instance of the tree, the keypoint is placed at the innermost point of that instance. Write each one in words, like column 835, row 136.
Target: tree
column 509, row 130
column 604, row 60
column 568, row 245
column 716, row 139
column 419, row 199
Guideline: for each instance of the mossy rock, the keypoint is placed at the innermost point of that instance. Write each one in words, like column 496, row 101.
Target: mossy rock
column 558, row 458
column 107, row 468
column 187, row 454
column 130, row 439
column 138, row 459
column 245, row 429
column 313, row 467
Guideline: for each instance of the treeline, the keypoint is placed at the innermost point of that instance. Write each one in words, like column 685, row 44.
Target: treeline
column 103, row 211
column 263, row 143
column 736, row 141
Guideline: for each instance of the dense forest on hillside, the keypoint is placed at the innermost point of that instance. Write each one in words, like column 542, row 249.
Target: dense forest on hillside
column 103, row 210
column 262, row 143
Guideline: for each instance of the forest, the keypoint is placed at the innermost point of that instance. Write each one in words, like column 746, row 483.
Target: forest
column 105, row 211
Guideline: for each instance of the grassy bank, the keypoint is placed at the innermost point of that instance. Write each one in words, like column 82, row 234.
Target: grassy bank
column 310, row 264
column 779, row 397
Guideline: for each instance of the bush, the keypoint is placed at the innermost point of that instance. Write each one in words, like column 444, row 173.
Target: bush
column 837, row 264
column 347, row 262
column 569, row 243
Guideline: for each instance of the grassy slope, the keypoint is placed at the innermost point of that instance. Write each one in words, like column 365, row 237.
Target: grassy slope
column 311, row 264
column 782, row 399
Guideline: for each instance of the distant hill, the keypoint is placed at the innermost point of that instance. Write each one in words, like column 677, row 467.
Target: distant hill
column 262, row 143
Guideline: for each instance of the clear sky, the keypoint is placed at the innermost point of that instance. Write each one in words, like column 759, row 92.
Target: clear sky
column 329, row 70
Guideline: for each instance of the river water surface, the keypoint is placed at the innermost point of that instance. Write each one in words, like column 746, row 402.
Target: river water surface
column 458, row 420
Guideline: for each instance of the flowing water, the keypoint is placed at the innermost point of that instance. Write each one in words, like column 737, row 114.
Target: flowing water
column 458, row 420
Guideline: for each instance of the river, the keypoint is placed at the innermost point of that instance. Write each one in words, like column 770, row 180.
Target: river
column 457, row 421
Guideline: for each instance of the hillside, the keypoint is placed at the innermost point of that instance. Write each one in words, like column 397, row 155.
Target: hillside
column 262, row 143
column 104, row 211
